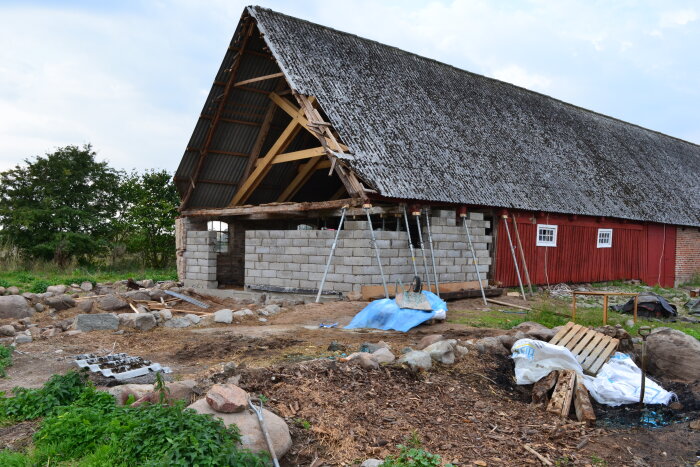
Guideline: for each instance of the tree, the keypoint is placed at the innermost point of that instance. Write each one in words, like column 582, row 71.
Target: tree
column 148, row 220
column 60, row 206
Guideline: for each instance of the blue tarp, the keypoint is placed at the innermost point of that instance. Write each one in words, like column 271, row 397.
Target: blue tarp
column 385, row 314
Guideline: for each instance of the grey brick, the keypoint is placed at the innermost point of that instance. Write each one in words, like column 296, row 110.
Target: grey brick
column 477, row 216
column 317, row 260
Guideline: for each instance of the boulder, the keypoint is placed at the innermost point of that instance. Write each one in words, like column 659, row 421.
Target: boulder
column 60, row 302
column 111, row 302
column 366, row 361
column 146, row 283
column 138, row 321
column 23, row 339
column 535, row 330
column 383, row 355
column 137, row 295
column 442, row 351
column 12, row 290
column 492, row 345
column 2, row 290
column 223, row 316
column 39, row 307
column 121, row 393
column 7, row 330
column 673, row 355
column 369, row 347
column 461, row 351
column 429, row 340
column 177, row 391
column 35, row 332
column 59, row 289
column 372, row 463
column 86, row 306
column 244, row 313
column 179, row 322
column 32, row 297
column 270, row 310
column 508, row 340
column 227, row 398
column 416, row 360
column 157, row 294
column 50, row 332
column 15, row 306
column 86, row 286
column 252, row 437
column 96, row 322
column 194, row 318
column 166, row 314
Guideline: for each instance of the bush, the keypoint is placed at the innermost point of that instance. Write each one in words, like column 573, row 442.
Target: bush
column 39, row 286
column 29, row 404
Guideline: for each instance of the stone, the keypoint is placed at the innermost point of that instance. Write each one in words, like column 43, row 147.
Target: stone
column 96, row 322
column 508, row 340
column 491, row 345
column 179, row 322
column 64, row 324
column 535, row 330
column 227, row 398
column 14, row 306
column 86, row 306
column 354, row 296
column 416, row 360
column 383, row 355
column 629, row 323
column 23, row 339
column 166, row 315
column 146, row 283
column 223, row 316
column 157, row 294
column 2, row 290
column 32, row 297
column 137, row 295
column 167, row 285
column 86, row 286
column 7, row 330
column 73, row 332
column 39, row 307
column 429, row 340
column 369, row 347
column 177, row 391
column 673, row 355
column 59, row 289
column 111, row 302
column 270, row 310
column 138, row 321
column 366, row 361
column 122, row 392
column 262, row 320
column 252, row 437
column 244, row 313
column 442, row 351
column 51, row 332
column 461, row 351
column 194, row 318
column 35, row 332
column 12, row 290
column 372, row 463
column 60, row 302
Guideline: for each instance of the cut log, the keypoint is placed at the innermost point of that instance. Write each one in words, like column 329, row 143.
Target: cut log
column 563, row 393
column 582, row 404
column 540, row 391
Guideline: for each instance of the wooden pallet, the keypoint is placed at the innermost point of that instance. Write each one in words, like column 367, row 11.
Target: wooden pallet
column 591, row 348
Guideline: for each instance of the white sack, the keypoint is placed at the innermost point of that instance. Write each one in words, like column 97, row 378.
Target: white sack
column 619, row 382
column 536, row 359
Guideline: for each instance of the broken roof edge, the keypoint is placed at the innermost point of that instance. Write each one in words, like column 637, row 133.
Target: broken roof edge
column 251, row 10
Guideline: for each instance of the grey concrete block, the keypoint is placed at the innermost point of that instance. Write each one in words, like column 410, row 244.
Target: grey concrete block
column 361, row 270
column 357, row 260
column 476, row 216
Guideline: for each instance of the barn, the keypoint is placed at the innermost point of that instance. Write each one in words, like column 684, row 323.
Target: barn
column 475, row 178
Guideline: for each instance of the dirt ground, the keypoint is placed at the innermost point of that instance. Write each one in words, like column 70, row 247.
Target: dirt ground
column 471, row 413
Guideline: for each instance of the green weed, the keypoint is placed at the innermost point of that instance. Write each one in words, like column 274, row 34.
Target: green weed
column 5, row 359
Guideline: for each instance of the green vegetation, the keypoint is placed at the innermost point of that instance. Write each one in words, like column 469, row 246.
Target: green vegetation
column 303, row 423
column 694, row 281
column 83, row 427
column 5, row 359
column 411, row 454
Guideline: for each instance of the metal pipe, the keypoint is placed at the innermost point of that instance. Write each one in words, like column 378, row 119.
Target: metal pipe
column 410, row 243
column 422, row 249
column 330, row 255
column 376, row 249
column 522, row 256
column 644, row 332
column 266, row 433
column 474, row 259
column 432, row 254
column 515, row 260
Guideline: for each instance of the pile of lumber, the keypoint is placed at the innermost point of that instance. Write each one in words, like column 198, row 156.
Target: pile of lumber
column 567, row 388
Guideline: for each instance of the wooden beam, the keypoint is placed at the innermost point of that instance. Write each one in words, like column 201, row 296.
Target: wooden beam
column 296, row 155
column 563, row 393
column 225, row 153
column 259, row 78
column 305, row 172
column 582, row 404
column 272, row 208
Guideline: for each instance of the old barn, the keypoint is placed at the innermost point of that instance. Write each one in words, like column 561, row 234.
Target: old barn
column 303, row 120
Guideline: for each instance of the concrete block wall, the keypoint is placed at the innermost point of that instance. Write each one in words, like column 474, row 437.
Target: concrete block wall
column 200, row 259
column 297, row 258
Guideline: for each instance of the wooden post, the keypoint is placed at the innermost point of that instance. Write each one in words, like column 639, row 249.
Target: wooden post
column 605, row 309
column 582, row 404
column 560, row 403
column 573, row 307
column 636, row 303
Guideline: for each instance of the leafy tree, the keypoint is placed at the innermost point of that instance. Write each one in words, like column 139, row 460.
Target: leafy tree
column 59, row 206
column 148, row 220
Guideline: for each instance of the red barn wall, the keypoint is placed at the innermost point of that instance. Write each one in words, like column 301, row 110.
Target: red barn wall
column 639, row 251
column 687, row 253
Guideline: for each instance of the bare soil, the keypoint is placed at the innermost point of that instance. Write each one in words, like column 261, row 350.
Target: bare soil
column 340, row 414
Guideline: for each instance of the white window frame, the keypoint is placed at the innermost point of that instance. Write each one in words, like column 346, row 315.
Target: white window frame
column 221, row 229
column 549, row 243
column 610, row 238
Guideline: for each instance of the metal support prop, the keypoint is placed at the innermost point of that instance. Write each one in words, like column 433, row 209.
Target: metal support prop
column 263, row 427
column 330, row 255
column 432, row 254
column 515, row 260
column 376, row 249
column 522, row 256
column 644, row 332
column 410, row 243
column 422, row 250
column 474, row 259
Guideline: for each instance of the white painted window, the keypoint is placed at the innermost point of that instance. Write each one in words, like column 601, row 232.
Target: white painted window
column 221, row 229
column 546, row 235
column 604, row 238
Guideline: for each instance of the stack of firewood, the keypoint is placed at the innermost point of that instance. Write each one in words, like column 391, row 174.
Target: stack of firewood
column 565, row 387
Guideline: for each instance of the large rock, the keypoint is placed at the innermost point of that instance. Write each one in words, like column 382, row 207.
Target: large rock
column 86, row 306
column 492, row 345
column 270, row 310
column 111, row 302
column 179, row 322
column 508, row 340
column 60, row 302
column 244, row 313
column 535, row 330
column 177, row 391
column 15, row 306
column 12, row 290
column 7, row 331
column 416, row 360
column 194, row 318
column 383, row 355
column 223, row 316
column 56, row 289
column 252, row 437
column 429, row 340
column 138, row 321
column 442, row 351
column 96, row 322
column 366, row 361
column 372, row 463
column 86, row 286
column 673, row 355
column 138, row 295
column 227, row 398
column 121, row 393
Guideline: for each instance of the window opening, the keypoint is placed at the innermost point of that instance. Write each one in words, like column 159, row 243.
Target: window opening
column 546, row 235
column 604, row 238
column 221, row 229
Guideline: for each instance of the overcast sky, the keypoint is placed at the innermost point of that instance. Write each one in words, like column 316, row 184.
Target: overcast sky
column 131, row 77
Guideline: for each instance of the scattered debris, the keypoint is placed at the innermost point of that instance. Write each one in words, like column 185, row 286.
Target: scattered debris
column 120, row 366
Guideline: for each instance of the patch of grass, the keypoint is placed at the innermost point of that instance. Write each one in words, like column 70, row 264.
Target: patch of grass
column 412, row 455
column 5, row 359
column 303, row 423
column 693, row 282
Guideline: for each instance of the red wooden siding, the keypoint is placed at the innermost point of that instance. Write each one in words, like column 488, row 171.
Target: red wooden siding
column 635, row 252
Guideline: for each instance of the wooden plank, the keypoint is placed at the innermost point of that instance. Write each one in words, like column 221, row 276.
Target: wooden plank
column 576, row 338
column 563, row 392
column 589, row 348
column 271, row 208
column 259, row 78
column 498, row 302
column 541, row 388
column 589, row 334
column 582, row 404
column 569, row 335
column 259, row 140
column 600, row 346
column 296, row 155
column 603, row 357
column 562, row 332
column 371, row 291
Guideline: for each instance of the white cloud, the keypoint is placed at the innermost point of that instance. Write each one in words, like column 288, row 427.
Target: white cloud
column 678, row 18
column 517, row 75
